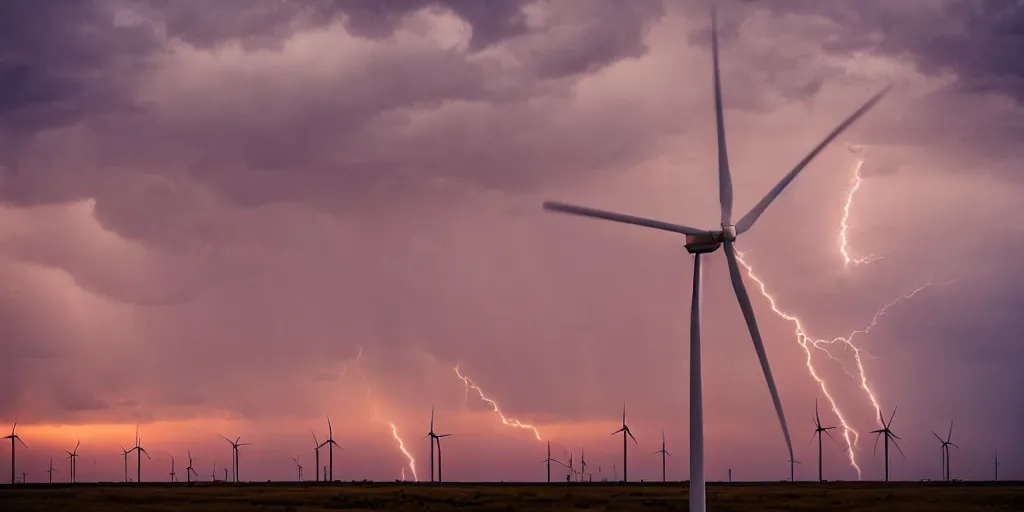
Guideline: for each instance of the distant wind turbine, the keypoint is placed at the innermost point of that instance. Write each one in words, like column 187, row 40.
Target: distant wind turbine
column 583, row 465
column 548, row 460
column 792, row 472
column 298, row 466
column 663, row 453
column 889, row 436
column 434, row 438
column 172, row 468
column 625, row 432
column 946, row 443
column 330, row 449
column 706, row 241
column 14, row 437
column 72, row 456
column 316, row 449
column 124, row 454
column 818, row 431
column 995, row 464
column 189, row 471
column 51, row 471
column 234, row 455
column 139, row 450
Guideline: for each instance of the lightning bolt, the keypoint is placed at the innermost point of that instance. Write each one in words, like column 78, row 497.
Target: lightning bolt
column 511, row 422
column 844, row 225
column 408, row 456
column 375, row 410
column 850, row 435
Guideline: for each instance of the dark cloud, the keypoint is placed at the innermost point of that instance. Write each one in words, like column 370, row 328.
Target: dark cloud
column 65, row 60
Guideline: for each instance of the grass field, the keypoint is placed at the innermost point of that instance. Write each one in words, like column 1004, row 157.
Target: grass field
column 293, row 497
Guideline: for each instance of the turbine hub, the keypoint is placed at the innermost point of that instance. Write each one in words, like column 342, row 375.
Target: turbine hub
column 728, row 232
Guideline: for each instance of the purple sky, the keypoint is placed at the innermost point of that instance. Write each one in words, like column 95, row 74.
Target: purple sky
column 211, row 208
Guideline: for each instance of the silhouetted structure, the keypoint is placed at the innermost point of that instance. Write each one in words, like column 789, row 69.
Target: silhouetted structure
column 15, row 439
column 946, row 443
column 889, row 436
column 625, row 445
column 189, row 471
column 234, row 455
column 818, row 431
column 72, row 457
column 664, row 453
column 139, row 450
column 434, row 439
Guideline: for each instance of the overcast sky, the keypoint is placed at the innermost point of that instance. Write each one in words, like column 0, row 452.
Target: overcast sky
column 242, row 216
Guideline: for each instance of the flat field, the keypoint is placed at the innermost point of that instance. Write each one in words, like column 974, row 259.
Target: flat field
column 294, row 497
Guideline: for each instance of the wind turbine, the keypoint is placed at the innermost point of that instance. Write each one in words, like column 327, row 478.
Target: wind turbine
column 625, row 432
column 234, row 452
column 298, row 466
column 434, row 438
column 71, row 457
column 818, row 431
column 792, row 472
column 945, row 450
column 316, row 449
column 663, row 453
column 172, row 468
column 139, row 450
column 887, row 432
column 14, row 437
column 583, row 465
column 330, row 448
column 995, row 464
column 700, row 241
column 548, row 460
column 51, row 471
column 189, row 471
column 124, row 454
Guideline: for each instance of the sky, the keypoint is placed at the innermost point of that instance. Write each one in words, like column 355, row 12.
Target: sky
column 242, row 217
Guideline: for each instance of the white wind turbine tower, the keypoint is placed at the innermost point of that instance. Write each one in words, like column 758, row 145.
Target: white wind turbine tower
column 701, row 241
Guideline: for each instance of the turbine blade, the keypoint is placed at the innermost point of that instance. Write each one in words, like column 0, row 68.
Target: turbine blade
column 937, row 437
column 877, row 437
column 829, row 434
column 894, row 443
column 755, row 335
column 950, row 435
column 630, row 434
column 954, row 445
column 584, row 211
column 668, row 453
column 224, row 438
column 815, row 434
column 617, row 431
column 724, row 176
column 894, row 409
column 751, row 217
column 22, row 442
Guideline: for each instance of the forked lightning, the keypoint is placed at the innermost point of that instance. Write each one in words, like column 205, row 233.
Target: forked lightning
column 511, row 422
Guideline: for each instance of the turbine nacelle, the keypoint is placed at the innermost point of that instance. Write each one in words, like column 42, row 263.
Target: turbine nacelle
column 705, row 243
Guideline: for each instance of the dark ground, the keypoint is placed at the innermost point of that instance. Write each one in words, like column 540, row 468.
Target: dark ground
column 294, row 497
